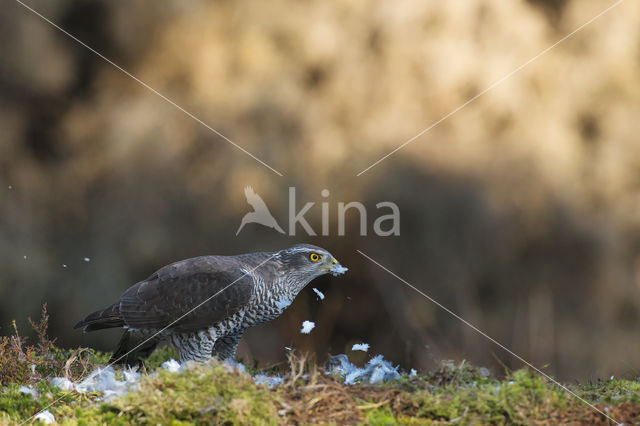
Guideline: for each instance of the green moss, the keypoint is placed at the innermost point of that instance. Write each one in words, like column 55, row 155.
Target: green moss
column 211, row 393
column 515, row 400
column 462, row 374
column 613, row 391
column 159, row 356
column 206, row 393
column 380, row 416
column 16, row 406
column 51, row 363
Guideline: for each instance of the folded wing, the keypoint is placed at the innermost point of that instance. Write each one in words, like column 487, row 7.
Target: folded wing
column 186, row 296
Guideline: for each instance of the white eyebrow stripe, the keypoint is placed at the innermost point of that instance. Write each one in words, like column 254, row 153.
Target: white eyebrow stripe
column 307, row 250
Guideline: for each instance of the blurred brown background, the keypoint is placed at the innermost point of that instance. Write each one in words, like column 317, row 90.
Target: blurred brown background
column 520, row 212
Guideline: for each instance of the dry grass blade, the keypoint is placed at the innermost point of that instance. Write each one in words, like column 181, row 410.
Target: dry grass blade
column 296, row 368
column 370, row 406
column 68, row 363
column 44, row 343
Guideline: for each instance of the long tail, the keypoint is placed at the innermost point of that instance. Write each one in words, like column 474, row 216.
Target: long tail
column 132, row 346
column 106, row 318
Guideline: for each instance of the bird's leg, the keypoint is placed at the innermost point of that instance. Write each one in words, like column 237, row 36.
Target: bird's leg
column 196, row 347
column 225, row 347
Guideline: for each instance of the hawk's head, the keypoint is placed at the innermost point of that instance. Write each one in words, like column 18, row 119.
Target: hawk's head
column 307, row 262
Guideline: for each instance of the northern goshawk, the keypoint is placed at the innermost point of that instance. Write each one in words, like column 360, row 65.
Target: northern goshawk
column 202, row 306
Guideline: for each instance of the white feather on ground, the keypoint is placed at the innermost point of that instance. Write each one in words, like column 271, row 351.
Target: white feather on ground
column 102, row 380
column 375, row 371
column 171, row 366
column 63, row 383
column 45, row 417
column 270, row 381
column 235, row 366
column 28, row 391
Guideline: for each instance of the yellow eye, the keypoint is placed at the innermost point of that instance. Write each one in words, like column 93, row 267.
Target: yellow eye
column 314, row 257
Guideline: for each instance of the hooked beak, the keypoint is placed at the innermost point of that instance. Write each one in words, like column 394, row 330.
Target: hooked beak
column 336, row 268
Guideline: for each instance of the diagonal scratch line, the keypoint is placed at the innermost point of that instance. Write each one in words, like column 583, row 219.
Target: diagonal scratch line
column 149, row 88
column 246, row 273
column 493, row 85
column 476, row 329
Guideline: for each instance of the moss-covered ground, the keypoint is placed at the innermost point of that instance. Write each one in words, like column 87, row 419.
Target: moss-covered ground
column 214, row 393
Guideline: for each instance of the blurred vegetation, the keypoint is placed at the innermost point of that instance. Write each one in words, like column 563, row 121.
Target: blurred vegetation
column 219, row 393
column 520, row 212
column 24, row 363
column 216, row 393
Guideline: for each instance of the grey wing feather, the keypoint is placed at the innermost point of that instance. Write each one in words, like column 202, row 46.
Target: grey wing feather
column 177, row 289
